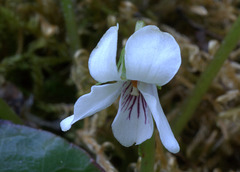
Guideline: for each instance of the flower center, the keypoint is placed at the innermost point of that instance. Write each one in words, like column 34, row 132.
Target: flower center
column 135, row 91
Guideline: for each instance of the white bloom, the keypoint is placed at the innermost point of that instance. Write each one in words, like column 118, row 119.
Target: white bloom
column 152, row 58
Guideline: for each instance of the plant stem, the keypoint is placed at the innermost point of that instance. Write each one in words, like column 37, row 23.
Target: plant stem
column 147, row 154
column 71, row 26
column 207, row 77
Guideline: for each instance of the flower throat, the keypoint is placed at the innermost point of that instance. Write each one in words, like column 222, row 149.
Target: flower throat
column 135, row 91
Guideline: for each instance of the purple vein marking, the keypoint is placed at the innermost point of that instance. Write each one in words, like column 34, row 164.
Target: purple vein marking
column 131, row 106
column 138, row 106
column 125, row 89
column 144, row 106
column 129, row 101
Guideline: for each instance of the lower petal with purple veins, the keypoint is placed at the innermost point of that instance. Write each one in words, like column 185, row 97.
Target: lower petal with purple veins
column 133, row 123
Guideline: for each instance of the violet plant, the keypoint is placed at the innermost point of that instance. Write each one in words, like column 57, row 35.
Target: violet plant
column 151, row 59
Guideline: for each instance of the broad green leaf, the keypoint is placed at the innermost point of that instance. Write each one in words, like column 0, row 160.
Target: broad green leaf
column 24, row 149
column 7, row 113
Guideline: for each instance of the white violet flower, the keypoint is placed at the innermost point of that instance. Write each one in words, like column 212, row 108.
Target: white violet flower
column 151, row 58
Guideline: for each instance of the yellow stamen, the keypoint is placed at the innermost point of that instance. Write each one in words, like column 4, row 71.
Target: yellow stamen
column 134, row 83
column 135, row 91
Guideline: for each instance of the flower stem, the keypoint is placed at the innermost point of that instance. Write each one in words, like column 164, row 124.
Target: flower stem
column 206, row 78
column 147, row 153
column 71, row 26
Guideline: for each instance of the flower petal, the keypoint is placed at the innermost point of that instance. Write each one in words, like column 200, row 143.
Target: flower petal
column 133, row 123
column 152, row 56
column 66, row 123
column 102, row 61
column 99, row 98
column 149, row 92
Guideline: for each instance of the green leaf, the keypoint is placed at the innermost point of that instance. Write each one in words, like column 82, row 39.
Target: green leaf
column 7, row 113
column 25, row 149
